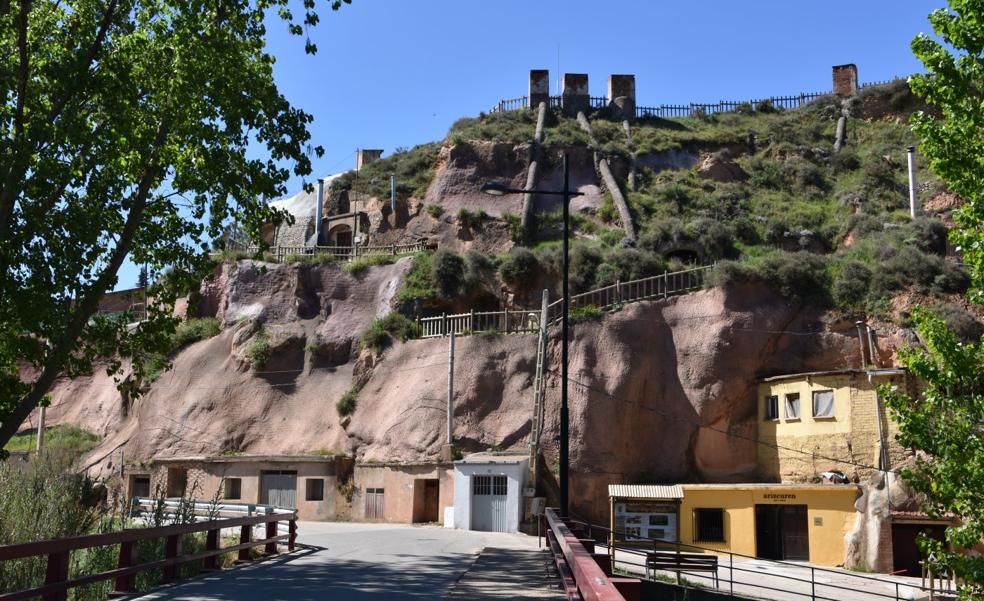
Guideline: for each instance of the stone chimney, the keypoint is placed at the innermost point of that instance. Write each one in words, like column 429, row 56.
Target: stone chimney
column 366, row 156
column 539, row 87
column 574, row 95
column 845, row 80
column 621, row 96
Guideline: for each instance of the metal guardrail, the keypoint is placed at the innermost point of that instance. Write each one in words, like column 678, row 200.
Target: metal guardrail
column 201, row 511
column 527, row 321
column 787, row 580
column 58, row 551
column 581, row 575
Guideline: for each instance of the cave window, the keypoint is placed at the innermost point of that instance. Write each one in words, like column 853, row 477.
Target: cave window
column 315, row 489
column 772, row 408
column 793, row 406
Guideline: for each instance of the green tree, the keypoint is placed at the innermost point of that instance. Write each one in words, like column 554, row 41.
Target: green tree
column 124, row 128
column 945, row 424
column 950, row 134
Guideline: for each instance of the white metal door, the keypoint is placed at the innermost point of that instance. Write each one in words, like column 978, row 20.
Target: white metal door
column 488, row 509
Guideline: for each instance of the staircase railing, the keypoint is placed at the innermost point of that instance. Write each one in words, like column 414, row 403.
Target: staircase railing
column 527, row 321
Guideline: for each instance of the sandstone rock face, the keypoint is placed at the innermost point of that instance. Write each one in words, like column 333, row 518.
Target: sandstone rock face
column 721, row 167
column 660, row 391
column 462, row 169
column 213, row 400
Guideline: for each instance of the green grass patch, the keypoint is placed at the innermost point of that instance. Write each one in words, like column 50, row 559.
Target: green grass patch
column 362, row 263
column 258, row 351
column 418, row 284
column 585, row 313
column 383, row 330
column 63, row 437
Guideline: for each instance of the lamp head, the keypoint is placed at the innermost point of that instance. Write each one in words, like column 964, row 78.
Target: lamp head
column 495, row 188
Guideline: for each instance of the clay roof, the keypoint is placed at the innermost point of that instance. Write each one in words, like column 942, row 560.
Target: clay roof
column 645, row 491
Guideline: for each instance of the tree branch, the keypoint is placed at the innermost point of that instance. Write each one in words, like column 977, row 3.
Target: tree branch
column 89, row 303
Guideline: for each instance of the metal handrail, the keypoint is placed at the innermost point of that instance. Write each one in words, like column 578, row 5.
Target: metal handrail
column 628, row 548
column 589, row 578
column 345, row 253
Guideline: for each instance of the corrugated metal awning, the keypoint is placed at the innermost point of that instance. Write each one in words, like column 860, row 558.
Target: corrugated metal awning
column 645, row 491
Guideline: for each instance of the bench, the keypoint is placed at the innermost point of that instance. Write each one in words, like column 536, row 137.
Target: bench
column 672, row 561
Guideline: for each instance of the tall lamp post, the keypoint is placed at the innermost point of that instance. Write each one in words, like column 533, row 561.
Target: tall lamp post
column 499, row 189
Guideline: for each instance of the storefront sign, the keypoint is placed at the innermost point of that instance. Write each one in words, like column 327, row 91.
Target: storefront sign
column 641, row 520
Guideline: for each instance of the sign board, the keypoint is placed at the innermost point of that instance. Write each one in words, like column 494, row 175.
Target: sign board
column 636, row 520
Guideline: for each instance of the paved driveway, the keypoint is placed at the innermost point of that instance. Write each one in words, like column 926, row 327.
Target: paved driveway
column 352, row 561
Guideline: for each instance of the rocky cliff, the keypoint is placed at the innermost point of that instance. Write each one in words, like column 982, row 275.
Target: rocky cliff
column 660, row 391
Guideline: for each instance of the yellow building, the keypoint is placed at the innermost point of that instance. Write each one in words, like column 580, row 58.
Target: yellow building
column 811, row 423
column 806, row 522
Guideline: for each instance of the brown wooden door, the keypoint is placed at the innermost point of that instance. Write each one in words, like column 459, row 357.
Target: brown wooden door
column 905, row 549
column 431, row 497
column 795, row 533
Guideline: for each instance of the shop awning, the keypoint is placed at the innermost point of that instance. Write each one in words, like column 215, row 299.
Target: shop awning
column 645, row 491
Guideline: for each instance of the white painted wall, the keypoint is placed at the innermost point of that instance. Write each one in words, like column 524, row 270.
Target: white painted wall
column 516, row 479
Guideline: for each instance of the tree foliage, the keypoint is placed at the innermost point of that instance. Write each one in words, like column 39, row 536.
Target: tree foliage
column 950, row 136
column 946, row 424
column 124, row 128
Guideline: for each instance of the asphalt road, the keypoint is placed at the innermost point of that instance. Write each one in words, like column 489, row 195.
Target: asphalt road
column 354, row 561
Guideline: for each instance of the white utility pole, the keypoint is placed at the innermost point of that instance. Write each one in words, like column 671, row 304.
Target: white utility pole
column 450, row 388
column 912, row 181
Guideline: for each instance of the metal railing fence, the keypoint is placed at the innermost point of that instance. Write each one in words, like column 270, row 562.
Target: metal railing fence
column 606, row 298
column 753, row 576
column 340, row 253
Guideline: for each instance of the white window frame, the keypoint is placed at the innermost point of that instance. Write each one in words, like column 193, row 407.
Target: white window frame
column 771, row 400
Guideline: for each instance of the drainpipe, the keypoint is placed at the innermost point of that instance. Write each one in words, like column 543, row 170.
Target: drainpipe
column 882, row 451
column 861, row 342
column 317, row 212
column 912, row 181
column 871, row 345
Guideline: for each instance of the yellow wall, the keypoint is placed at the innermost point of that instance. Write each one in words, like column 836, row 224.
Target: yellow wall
column 851, row 435
column 833, row 505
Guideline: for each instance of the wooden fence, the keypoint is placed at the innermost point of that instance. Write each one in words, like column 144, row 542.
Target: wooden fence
column 58, row 552
column 525, row 321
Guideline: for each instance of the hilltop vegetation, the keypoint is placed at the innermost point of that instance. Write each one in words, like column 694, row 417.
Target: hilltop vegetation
column 829, row 228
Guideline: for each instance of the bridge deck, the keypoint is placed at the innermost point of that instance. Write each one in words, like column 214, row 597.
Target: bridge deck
column 351, row 561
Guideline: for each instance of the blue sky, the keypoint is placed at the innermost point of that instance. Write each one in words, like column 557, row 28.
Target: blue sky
column 392, row 73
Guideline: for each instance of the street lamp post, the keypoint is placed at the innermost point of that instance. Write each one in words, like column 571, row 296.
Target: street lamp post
column 498, row 189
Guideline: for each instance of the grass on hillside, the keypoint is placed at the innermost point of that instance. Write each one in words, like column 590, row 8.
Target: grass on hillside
column 63, row 437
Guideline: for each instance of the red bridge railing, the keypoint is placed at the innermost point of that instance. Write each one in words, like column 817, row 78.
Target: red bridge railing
column 58, row 550
column 584, row 574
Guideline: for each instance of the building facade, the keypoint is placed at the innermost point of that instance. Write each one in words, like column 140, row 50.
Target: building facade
column 488, row 492
column 800, row 522
column 817, row 422
column 309, row 484
column 402, row 493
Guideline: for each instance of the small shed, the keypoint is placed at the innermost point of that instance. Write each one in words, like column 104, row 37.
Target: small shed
column 645, row 511
column 488, row 492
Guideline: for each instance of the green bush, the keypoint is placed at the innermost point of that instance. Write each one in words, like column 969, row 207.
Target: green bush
column 851, row 285
column 798, row 276
column 311, row 259
column 194, row 330
column 346, row 404
column 518, row 267
column 362, row 263
column 625, row 264
column 845, row 161
column 585, row 313
column 448, row 273
column 418, row 285
column 435, row 210
column 258, row 351
column 967, row 328
column 584, row 262
column 383, row 330
column 515, row 226
column 470, row 219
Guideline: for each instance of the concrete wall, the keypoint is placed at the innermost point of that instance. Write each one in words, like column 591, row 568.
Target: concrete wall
column 851, row 435
column 574, row 94
column 539, row 87
column 516, row 477
column 403, row 490
column 206, row 481
column 366, row 156
column 845, row 80
column 830, row 516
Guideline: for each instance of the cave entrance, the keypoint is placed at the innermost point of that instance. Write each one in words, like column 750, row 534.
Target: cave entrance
column 426, row 492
